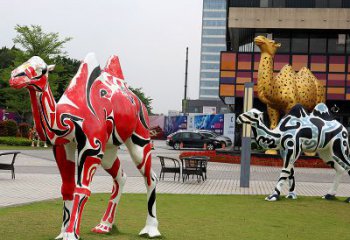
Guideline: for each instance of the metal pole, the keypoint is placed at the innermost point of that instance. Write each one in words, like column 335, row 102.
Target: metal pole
column 186, row 68
column 246, row 137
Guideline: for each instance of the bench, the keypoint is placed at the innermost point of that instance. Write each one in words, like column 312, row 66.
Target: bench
column 9, row 166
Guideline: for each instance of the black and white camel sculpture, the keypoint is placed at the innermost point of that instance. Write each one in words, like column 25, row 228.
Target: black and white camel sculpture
column 300, row 132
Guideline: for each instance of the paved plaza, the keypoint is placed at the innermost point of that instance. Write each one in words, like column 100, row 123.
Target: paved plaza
column 37, row 179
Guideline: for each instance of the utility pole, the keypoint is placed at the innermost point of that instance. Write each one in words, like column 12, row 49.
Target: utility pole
column 184, row 101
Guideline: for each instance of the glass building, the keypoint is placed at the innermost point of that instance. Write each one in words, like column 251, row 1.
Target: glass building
column 214, row 23
column 313, row 33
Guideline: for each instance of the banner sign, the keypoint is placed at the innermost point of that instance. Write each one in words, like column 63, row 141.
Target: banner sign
column 213, row 123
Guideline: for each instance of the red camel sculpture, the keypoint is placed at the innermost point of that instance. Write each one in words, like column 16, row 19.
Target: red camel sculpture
column 96, row 114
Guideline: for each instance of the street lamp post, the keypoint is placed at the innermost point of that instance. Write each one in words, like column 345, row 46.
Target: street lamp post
column 246, row 137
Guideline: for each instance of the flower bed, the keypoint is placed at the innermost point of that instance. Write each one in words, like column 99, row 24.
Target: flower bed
column 264, row 160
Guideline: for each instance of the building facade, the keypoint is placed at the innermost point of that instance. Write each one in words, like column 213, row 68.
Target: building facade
column 214, row 22
column 313, row 33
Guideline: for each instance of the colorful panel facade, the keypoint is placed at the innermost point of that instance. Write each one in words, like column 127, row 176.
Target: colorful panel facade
column 239, row 68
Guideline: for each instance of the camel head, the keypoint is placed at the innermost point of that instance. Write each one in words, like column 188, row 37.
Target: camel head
column 266, row 45
column 250, row 117
column 31, row 74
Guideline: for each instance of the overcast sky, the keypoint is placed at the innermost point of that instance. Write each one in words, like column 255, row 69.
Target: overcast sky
column 150, row 37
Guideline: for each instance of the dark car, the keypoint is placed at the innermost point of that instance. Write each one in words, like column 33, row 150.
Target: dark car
column 188, row 139
column 225, row 141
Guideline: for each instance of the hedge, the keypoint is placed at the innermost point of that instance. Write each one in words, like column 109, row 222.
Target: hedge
column 275, row 161
column 8, row 128
column 15, row 141
column 24, row 130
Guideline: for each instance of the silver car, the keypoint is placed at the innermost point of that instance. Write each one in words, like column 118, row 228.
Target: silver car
column 226, row 141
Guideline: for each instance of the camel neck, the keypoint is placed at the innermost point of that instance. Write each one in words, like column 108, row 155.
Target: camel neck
column 266, row 138
column 44, row 109
column 265, row 77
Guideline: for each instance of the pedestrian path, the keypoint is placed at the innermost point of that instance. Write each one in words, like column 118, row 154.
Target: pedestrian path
column 38, row 179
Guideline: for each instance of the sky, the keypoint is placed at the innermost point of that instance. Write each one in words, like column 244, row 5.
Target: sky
column 150, row 37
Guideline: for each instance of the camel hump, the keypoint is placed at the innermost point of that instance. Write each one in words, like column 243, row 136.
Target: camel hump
column 113, row 67
column 88, row 71
column 321, row 111
column 288, row 68
column 298, row 111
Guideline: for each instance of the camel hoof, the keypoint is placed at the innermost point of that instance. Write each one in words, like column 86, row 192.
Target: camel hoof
column 70, row 236
column 101, row 229
column 60, row 236
column 151, row 231
column 347, row 200
column 292, row 195
column 272, row 198
column 329, row 197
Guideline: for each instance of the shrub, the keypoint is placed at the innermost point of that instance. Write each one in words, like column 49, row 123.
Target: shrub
column 12, row 127
column 24, row 130
column 3, row 129
column 15, row 141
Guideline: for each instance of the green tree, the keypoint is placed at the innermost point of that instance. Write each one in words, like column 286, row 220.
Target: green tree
column 145, row 99
column 63, row 73
column 48, row 46
column 36, row 42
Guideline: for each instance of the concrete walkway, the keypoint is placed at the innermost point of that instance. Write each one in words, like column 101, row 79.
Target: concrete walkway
column 37, row 179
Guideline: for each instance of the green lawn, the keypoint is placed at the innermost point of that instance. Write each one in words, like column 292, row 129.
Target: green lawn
column 8, row 147
column 191, row 217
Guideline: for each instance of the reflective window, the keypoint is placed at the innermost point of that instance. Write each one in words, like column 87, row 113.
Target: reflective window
column 245, row 3
column 214, row 14
column 209, row 75
column 300, row 43
column 335, row 3
column 211, row 57
column 185, row 135
column 336, row 46
column 209, row 83
column 284, row 40
column 347, row 43
column 214, row 23
column 219, row 40
column 279, row 3
column 209, row 92
column 300, row 3
column 321, row 3
column 214, row 32
column 196, row 136
column 210, row 65
column 214, row 4
column 213, row 49
column 346, row 4
column 318, row 43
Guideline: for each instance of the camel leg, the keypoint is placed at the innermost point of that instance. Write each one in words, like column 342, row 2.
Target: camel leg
column 291, row 181
column 338, row 174
column 289, row 157
column 274, row 116
column 64, row 155
column 111, row 164
column 88, row 159
column 140, row 151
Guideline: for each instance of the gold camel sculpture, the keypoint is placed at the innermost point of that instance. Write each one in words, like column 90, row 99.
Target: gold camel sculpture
column 282, row 92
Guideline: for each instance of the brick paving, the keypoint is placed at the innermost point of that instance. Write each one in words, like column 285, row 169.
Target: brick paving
column 37, row 179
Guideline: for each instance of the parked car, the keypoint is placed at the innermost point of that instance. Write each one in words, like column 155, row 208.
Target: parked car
column 223, row 139
column 190, row 139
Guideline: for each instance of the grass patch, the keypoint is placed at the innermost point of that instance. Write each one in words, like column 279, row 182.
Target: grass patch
column 8, row 147
column 190, row 217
